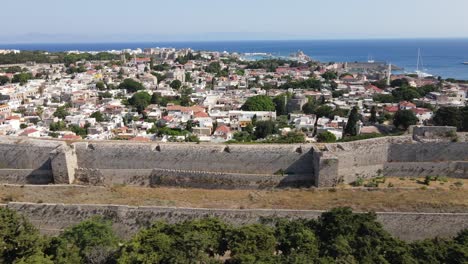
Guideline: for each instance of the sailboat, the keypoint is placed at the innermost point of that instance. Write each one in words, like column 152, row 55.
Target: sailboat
column 420, row 73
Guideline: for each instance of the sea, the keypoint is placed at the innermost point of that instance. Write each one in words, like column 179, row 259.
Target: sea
column 440, row 57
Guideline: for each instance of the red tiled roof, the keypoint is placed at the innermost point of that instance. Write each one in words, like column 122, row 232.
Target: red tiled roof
column 420, row 110
column 71, row 136
column 374, row 88
column 391, row 109
column 407, row 104
column 29, row 131
column 201, row 114
column 223, row 129
column 195, row 109
column 140, row 139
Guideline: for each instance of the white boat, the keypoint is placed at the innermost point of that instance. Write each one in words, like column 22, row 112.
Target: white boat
column 466, row 62
column 420, row 73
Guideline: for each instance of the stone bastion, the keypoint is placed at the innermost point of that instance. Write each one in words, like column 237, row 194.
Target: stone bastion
column 107, row 163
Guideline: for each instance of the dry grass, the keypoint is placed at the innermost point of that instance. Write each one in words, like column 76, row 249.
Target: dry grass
column 444, row 198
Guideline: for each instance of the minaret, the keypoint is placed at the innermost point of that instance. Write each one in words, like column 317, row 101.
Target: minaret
column 285, row 102
column 123, row 58
column 389, row 74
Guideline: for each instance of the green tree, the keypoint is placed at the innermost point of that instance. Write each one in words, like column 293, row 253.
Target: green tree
column 22, row 78
column 358, row 238
column 4, row 79
column 100, row 85
column 373, row 117
column 311, row 83
column 297, row 238
column 334, row 86
column 150, row 245
column 399, row 83
column 94, row 238
column 464, row 119
column 430, row 250
column 185, row 97
column 251, row 243
column 33, row 259
column 140, row 101
column 79, row 131
column 404, row 119
column 280, row 104
column 326, row 137
column 351, row 126
column 329, row 75
column 57, row 126
column 259, row 103
column 405, row 94
column 61, row 112
column 385, row 98
column 131, row 85
column 62, row 251
column 175, row 84
column 324, row 111
column 447, row 116
column 18, row 238
column 213, row 67
column 265, row 128
column 242, row 136
column 310, row 107
column 98, row 116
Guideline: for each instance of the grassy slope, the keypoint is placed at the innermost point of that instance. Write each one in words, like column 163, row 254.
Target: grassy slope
column 435, row 198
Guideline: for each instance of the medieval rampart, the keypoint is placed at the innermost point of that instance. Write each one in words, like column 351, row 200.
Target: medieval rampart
column 127, row 220
column 35, row 161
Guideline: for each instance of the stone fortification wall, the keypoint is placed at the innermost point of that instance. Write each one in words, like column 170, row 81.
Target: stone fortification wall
column 448, row 159
column 345, row 162
column 228, row 166
column 53, row 218
column 430, row 152
column 29, row 161
column 193, row 179
column 433, row 133
column 393, row 156
column 250, row 159
column 193, row 165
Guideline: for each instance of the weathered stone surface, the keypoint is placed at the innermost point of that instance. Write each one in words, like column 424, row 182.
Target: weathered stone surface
column 233, row 166
column 127, row 220
column 63, row 164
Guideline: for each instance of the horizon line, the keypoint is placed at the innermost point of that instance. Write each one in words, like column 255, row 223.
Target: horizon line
column 235, row 40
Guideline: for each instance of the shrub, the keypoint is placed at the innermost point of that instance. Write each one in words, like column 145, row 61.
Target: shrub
column 326, row 137
column 358, row 182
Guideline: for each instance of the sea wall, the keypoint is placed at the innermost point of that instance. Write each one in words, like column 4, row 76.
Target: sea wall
column 53, row 218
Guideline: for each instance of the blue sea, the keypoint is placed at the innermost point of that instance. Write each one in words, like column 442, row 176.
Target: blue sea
column 441, row 57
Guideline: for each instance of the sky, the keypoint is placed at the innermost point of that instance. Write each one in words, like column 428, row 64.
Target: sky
column 211, row 20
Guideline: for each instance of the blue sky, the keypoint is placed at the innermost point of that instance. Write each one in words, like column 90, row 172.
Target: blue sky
column 179, row 20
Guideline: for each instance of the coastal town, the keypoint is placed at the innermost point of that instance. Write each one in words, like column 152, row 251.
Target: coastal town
column 182, row 95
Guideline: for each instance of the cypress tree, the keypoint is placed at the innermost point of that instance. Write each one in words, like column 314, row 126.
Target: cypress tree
column 353, row 118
